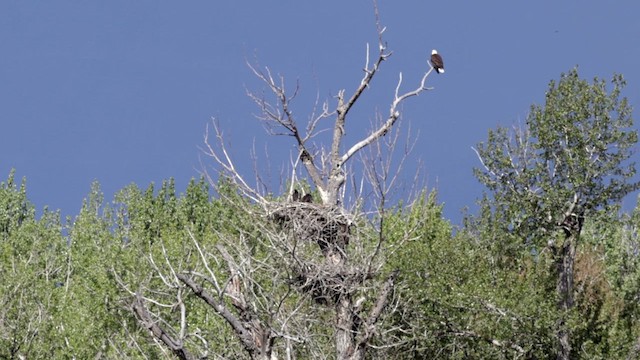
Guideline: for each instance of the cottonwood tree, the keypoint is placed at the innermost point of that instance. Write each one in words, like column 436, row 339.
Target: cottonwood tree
column 297, row 275
column 569, row 161
column 31, row 267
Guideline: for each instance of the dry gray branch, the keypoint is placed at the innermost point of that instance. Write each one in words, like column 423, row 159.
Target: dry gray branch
column 147, row 321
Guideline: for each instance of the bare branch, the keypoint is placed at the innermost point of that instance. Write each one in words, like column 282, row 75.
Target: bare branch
column 212, row 275
column 487, row 169
column 145, row 319
column 235, row 323
column 394, row 115
column 223, row 159
column 376, row 311
column 343, row 108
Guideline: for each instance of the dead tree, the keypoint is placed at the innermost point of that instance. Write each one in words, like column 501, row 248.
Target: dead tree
column 320, row 261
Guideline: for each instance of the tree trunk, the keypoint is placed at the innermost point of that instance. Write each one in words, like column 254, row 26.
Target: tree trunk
column 344, row 328
column 565, row 264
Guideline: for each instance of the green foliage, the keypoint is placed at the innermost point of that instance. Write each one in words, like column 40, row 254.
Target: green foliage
column 157, row 231
column 573, row 153
column 90, row 311
column 457, row 300
column 68, row 296
column 14, row 207
column 31, row 269
column 568, row 166
column 607, row 277
column 487, row 290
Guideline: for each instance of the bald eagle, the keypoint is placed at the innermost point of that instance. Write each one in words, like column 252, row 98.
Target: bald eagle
column 296, row 196
column 436, row 61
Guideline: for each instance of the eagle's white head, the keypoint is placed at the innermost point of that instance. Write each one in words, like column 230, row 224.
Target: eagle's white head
column 433, row 52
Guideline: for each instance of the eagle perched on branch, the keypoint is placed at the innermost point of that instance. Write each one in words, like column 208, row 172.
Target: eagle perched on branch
column 436, row 61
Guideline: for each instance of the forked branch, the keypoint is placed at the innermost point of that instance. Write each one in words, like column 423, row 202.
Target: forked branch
column 244, row 334
column 394, row 115
column 145, row 319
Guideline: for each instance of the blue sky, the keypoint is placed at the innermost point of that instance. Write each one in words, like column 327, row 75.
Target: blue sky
column 121, row 91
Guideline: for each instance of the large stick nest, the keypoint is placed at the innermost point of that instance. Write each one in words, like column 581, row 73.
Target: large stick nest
column 329, row 227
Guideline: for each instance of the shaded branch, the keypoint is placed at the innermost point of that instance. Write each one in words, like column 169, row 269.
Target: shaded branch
column 376, row 311
column 235, row 323
column 145, row 319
